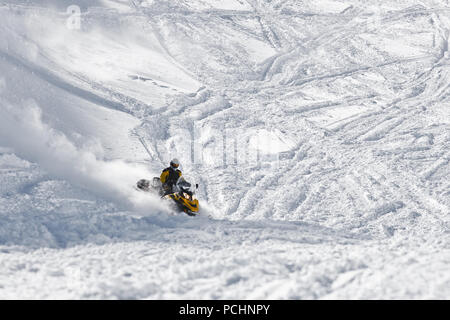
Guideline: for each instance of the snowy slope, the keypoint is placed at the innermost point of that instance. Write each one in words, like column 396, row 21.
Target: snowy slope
column 318, row 131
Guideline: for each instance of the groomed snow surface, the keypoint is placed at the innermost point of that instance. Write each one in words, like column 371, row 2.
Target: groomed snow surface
column 318, row 131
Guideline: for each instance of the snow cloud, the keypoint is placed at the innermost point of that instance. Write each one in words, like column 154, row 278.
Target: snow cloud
column 23, row 130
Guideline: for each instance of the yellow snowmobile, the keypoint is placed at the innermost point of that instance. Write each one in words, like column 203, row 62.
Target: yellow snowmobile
column 185, row 199
column 183, row 194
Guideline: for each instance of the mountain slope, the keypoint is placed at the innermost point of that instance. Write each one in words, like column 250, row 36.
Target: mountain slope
column 318, row 132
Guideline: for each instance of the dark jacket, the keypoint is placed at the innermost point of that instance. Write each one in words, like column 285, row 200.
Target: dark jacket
column 170, row 176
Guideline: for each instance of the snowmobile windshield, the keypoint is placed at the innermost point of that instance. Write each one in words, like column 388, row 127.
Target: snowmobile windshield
column 185, row 186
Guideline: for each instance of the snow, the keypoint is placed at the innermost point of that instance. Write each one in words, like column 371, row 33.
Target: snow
column 318, row 132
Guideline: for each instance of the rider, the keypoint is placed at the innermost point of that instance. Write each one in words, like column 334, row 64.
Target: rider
column 170, row 176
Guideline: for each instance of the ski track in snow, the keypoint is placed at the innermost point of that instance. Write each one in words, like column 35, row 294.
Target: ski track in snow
column 355, row 207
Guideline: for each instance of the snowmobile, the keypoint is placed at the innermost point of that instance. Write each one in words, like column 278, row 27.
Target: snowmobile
column 182, row 194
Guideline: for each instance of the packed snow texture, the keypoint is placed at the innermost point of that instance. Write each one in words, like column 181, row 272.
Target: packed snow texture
column 318, row 131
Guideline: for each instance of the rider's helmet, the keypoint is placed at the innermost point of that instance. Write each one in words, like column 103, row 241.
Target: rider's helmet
column 175, row 163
